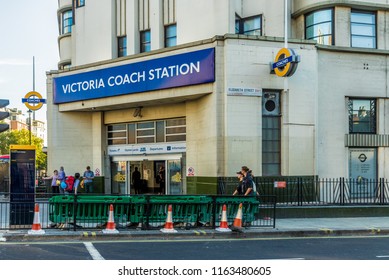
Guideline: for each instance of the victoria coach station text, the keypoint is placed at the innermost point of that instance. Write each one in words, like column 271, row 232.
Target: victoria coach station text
column 133, row 78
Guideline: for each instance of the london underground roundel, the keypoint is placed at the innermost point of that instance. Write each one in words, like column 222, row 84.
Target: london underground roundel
column 33, row 100
column 285, row 63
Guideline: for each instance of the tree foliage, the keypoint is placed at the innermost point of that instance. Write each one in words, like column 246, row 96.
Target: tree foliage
column 22, row 137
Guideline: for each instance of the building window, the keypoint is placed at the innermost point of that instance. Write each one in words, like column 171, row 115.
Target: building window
column 319, row 27
column 122, row 46
column 175, row 130
column 171, row 35
column 248, row 26
column 171, row 130
column 363, row 30
column 117, row 134
column 145, row 41
column 67, row 22
column 362, row 116
column 145, row 132
column 80, row 3
column 271, row 134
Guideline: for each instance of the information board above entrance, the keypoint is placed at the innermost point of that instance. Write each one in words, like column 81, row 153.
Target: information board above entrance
column 186, row 69
column 146, row 149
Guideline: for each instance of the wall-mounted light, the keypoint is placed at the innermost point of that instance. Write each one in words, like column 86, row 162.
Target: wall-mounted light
column 138, row 112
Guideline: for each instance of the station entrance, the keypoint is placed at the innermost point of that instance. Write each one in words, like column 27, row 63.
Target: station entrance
column 147, row 175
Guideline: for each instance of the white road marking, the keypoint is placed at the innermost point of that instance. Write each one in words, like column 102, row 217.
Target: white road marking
column 93, row 251
column 382, row 256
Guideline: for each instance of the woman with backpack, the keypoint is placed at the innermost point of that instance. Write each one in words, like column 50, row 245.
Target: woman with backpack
column 248, row 182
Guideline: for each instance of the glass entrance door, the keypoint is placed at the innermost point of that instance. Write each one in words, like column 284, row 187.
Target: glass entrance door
column 119, row 178
column 135, row 177
column 174, row 177
column 143, row 176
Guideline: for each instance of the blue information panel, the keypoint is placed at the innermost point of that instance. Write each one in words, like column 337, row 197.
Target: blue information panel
column 186, row 69
column 22, row 185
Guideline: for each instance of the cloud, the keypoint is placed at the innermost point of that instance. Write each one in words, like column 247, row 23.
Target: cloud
column 14, row 62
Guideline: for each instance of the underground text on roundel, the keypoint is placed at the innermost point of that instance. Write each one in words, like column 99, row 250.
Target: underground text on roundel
column 174, row 71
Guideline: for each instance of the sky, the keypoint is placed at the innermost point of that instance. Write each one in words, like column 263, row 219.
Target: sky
column 29, row 29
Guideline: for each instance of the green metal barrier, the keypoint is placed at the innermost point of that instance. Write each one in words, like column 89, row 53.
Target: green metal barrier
column 60, row 208
column 96, row 208
column 187, row 209
column 250, row 207
column 89, row 208
column 137, row 208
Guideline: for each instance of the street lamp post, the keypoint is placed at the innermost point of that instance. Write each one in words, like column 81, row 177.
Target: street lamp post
column 29, row 123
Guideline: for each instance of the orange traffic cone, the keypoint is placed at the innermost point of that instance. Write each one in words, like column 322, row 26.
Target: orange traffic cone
column 169, row 222
column 36, row 226
column 111, row 223
column 224, row 223
column 238, row 218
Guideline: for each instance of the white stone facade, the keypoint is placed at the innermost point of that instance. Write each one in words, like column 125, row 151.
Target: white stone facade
column 224, row 132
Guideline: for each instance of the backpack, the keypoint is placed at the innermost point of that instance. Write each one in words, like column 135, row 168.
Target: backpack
column 254, row 191
column 70, row 183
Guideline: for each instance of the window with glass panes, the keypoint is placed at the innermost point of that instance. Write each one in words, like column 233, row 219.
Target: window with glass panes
column 248, row 26
column 145, row 41
column 80, row 3
column 170, row 35
column 122, row 46
column 362, row 115
column 363, row 29
column 271, row 145
column 117, row 134
column 67, row 21
column 170, row 130
column 319, row 26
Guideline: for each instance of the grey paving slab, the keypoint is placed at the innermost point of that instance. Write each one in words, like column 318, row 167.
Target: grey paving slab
column 333, row 223
column 284, row 227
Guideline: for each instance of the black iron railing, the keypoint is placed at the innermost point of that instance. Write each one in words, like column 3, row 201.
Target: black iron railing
column 301, row 191
column 136, row 211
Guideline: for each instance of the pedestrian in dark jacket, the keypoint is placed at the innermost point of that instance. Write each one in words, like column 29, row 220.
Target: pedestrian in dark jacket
column 239, row 189
column 247, row 181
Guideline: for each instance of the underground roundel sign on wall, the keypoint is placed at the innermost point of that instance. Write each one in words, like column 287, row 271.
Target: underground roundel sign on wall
column 285, row 63
column 33, row 100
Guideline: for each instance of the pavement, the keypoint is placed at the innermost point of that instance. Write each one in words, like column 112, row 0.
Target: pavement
column 305, row 227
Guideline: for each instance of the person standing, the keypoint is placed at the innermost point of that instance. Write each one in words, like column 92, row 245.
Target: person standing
column 77, row 181
column 136, row 182
column 61, row 178
column 88, row 180
column 54, row 183
column 161, row 179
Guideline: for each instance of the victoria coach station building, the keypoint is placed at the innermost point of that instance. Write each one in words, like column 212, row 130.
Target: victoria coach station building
column 204, row 109
column 199, row 110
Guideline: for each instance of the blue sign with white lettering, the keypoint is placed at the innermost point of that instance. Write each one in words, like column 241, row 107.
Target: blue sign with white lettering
column 284, row 61
column 192, row 68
